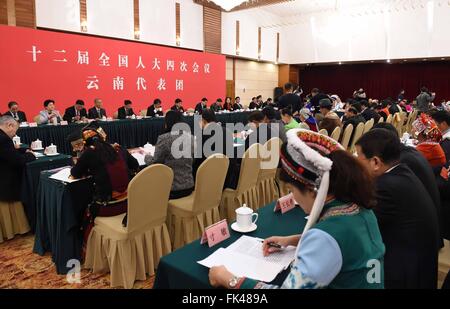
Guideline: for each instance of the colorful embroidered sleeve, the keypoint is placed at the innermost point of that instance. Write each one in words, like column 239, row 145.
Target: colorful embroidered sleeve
column 318, row 263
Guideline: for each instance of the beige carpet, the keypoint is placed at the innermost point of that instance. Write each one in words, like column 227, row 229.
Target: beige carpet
column 20, row 268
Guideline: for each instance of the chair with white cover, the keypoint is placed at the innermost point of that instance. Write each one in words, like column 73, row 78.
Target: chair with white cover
column 381, row 120
column 358, row 133
column 13, row 220
column 346, row 136
column 131, row 252
column 336, row 133
column 143, row 113
column 188, row 217
column 368, row 125
column 267, row 186
column 323, row 132
column 246, row 191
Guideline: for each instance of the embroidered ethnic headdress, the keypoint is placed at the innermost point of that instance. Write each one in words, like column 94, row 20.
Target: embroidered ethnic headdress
column 426, row 125
column 90, row 133
column 304, row 159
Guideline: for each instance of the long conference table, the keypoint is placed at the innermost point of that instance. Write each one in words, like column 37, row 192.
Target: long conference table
column 180, row 270
column 129, row 133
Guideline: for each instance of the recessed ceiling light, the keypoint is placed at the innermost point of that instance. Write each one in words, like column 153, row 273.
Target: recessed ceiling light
column 442, row 58
column 424, row 59
column 388, row 60
column 372, row 61
column 405, row 60
column 340, row 63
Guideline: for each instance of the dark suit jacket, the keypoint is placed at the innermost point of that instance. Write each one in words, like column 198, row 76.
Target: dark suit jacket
column 422, row 169
column 20, row 114
column 316, row 99
column 174, row 108
column 151, row 111
column 12, row 163
column 237, row 106
column 122, row 113
column 253, row 105
column 93, row 114
column 409, row 227
column 199, row 107
column 445, row 144
column 290, row 100
column 226, row 148
column 369, row 113
column 70, row 113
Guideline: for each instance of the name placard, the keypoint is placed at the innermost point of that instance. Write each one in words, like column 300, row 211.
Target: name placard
column 215, row 233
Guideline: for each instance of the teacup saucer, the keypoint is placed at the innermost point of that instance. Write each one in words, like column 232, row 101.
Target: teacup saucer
column 236, row 228
column 51, row 154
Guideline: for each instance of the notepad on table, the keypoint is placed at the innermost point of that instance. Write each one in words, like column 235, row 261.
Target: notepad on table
column 245, row 258
column 63, row 175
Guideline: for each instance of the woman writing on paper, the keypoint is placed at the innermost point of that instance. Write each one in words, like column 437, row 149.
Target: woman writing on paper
column 111, row 168
column 341, row 245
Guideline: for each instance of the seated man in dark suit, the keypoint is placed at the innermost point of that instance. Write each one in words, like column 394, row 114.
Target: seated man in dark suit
column 217, row 140
column 237, row 104
column 178, row 106
column 155, row 109
column 97, row 112
column 216, row 106
column 253, row 104
column 15, row 112
column 12, row 163
column 422, row 169
column 201, row 106
column 405, row 212
column 442, row 119
column 125, row 111
column 262, row 131
column 75, row 113
column 369, row 112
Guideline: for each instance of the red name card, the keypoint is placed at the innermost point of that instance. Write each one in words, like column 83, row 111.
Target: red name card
column 285, row 203
column 215, row 233
column 32, row 124
column 64, row 123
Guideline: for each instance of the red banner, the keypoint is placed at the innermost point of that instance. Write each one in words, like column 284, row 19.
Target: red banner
column 37, row 65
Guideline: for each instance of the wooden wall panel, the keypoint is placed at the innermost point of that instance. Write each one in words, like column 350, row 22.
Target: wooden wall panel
column 178, row 24
column 83, row 15
column 212, row 30
column 3, row 12
column 25, row 13
column 137, row 26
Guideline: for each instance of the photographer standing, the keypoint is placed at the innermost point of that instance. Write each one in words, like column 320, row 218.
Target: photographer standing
column 424, row 99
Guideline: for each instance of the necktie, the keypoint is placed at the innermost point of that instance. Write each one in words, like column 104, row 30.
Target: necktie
column 15, row 116
column 99, row 112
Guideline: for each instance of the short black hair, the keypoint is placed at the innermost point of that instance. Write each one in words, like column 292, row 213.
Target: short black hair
column 424, row 89
column 156, row 101
column 171, row 118
column 286, row 111
column 357, row 106
column 178, row 100
column 314, row 90
column 204, row 99
column 269, row 112
column 253, row 98
column 441, row 116
column 269, row 99
column 12, row 103
column 386, row 126
column 353, row 110
column 208, row 115
column 364, row 103
column 47, row 102
column 259, row 97
column 381, row 143
column 219, row 100
column 79, row 102
column 288, row 86
column 127, row 102
column 236, row 98
column 257, row 116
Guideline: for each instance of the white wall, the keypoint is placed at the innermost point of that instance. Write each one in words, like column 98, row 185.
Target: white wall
column 114, row 18
column 58, row 14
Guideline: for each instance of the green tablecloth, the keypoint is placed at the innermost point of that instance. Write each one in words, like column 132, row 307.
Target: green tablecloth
column 128, row 133
column 59, row 212
column 180, row 270
column 30, row 182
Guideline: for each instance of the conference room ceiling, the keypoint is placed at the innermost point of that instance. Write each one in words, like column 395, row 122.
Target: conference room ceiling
column 246, row 5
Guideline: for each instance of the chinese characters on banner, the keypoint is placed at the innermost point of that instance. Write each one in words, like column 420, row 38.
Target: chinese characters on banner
column 67, row 67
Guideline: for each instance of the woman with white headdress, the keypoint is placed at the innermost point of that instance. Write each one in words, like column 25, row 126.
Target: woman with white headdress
column 341, row 245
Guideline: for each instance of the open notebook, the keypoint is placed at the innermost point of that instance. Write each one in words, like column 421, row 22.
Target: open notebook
column 244, row 257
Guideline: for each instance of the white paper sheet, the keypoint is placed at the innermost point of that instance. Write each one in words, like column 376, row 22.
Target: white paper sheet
column 63, row 175
column 140, row 158
column 244, row 258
